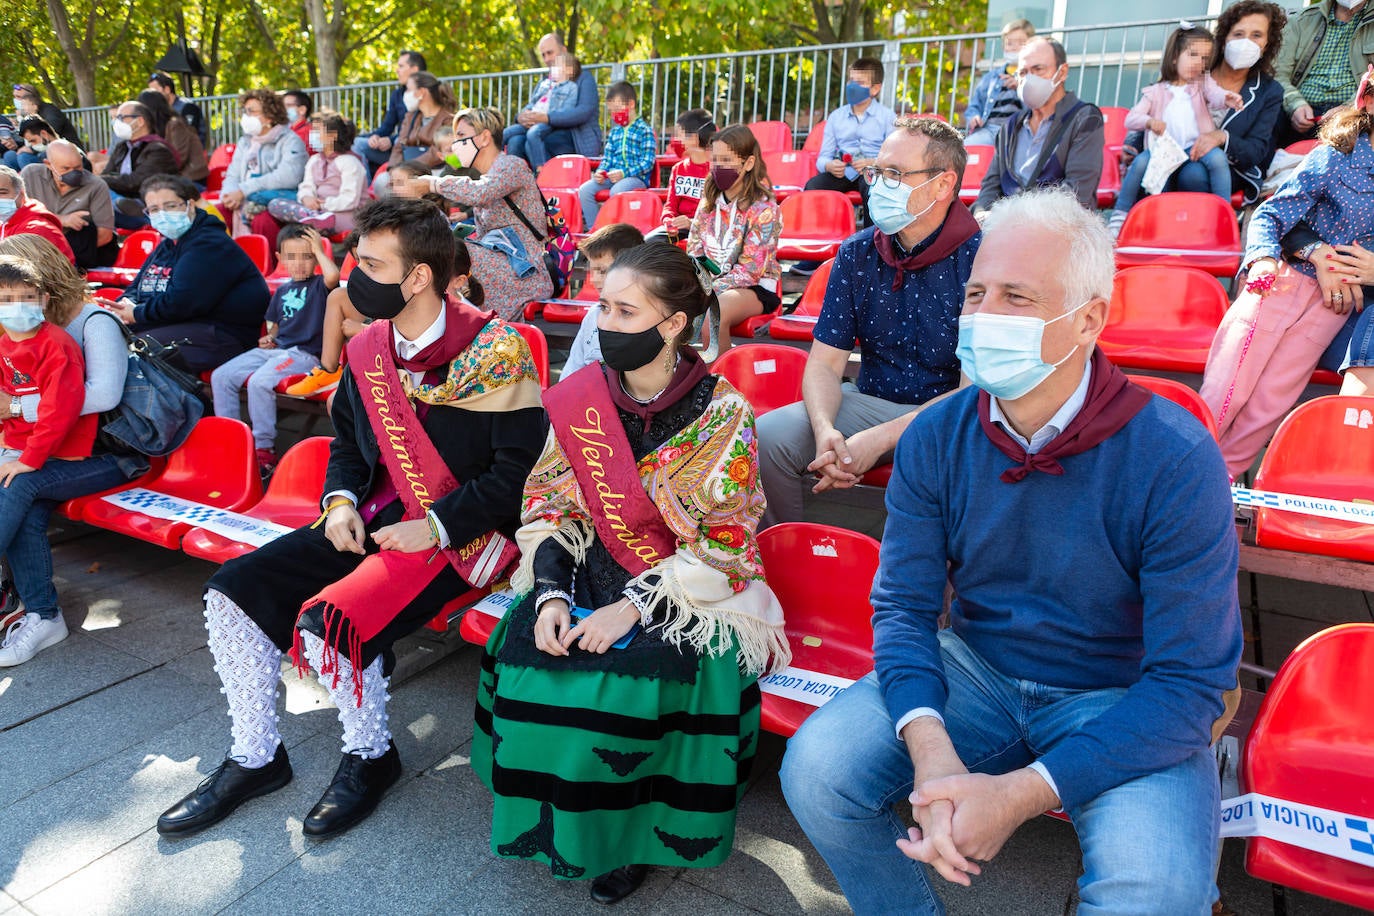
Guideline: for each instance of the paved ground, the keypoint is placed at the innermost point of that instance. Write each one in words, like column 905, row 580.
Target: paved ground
column 98, row 735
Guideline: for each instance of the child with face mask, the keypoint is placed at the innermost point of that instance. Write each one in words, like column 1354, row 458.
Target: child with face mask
column 1179, row 105
column 628, row 161
column 691, row 141
column 334, row 183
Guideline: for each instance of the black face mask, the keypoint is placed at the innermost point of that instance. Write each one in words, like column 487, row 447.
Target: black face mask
column 375, row 300
column 625, row 352
column 73, row 179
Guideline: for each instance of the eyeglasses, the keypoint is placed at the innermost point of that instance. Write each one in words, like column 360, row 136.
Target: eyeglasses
column 170, row 208
column 892, row 177
column 120, row 117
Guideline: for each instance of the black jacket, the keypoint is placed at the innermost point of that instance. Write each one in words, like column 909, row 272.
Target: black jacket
column 150, row 156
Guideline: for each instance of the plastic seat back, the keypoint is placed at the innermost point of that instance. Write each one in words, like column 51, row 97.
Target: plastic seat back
column 258, row 251
column 136, row 248
column 570, row 205
column 222, row 155
column 1323, row 449
column 1163, row 318
column 293, row 494
column 1312, row 743
column 539, row 349
column 346, row 268
column 216, row 466
column 789, row 170
column 800, row 324
column 1109, row 184
column 822, row 576
column 1114, row 128
column 1181, row 395
column 815, row 139
column 1302, row 147
column 640, row 209
column 814, row 223
column 564, row 173
column 773, row 136
column 1184, row 228
column 979, row 160
column 768, row 375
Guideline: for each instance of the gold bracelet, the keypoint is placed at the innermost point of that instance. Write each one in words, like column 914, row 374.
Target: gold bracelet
column 334, row 503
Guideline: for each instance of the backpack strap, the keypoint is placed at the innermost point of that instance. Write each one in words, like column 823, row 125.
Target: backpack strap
column 539, row 236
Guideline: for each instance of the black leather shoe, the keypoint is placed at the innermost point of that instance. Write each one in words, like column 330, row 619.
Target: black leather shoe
column 229, row 786
column 615, row 886
column 357, row 788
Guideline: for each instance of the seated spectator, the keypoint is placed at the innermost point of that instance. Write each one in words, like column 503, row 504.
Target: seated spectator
column 429, row 103
column 180, row 136
column 630, row 157
column 692, row 137
column 443, row 146
column 571, row 130
column 507, row 246
column 375, row 148
column 1056, row 139
column 40, row 359
column 197, row 289
column 299, row 108
column 411, row 181
column 27, row 503
column 555, row 92
column 601, row 248
column 896, row 289
column 334, row 183
column 1178, row 105
column 853, row 132
column 1257, row 368
column 1085, row 526
column 464, row 285
column 736, row 228
column 1326, row 48
column 338, row 595
column 79, row 200
column 269, row 160
column 189, row 110
column 291, row 346
column 36, row 134
column 29, row 103
column 665, row 727
column 342, row 322
column 139, row 153
column 994, row 100
column 10, row 141
column 20, row 215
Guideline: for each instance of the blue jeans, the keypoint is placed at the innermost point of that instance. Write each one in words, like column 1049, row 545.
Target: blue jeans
column 543, row 145
column 513, row 138
column 1148, row 845
column 127, row 220
column 25, row 507
column 373, row 157
column 587, row 194
column 1210, row 175
column 260, row 370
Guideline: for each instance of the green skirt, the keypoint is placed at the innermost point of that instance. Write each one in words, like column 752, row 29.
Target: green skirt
column 592, row 770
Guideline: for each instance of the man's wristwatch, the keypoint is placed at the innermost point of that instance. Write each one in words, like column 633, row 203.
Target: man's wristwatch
column 16, row 407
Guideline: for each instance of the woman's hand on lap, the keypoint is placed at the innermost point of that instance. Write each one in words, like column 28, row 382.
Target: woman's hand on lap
column 604, row 627
column 551, row 626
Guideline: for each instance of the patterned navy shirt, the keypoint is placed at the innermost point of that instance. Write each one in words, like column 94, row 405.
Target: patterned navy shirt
column 909, row 336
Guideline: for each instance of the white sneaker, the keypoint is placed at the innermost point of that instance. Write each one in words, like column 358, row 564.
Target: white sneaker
column 30, row 635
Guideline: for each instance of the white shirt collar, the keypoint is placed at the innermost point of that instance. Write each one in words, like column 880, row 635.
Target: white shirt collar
column 1057, row 423
column 407, row 349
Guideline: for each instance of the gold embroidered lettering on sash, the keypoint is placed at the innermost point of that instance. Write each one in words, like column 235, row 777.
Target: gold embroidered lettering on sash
column 395, row 433
column 596, row 446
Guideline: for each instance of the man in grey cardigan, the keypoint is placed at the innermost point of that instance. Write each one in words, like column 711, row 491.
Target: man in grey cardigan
column 574, row 130
column 1056, row 138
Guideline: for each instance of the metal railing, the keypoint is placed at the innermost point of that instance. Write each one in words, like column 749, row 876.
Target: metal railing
column 1109, row 65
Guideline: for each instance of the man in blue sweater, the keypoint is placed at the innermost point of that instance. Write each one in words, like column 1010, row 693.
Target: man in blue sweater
column 375, row 148
column 1086, row 528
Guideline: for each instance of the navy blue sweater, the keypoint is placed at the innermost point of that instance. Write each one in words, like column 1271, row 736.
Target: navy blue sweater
column 1119, row 574
column 202, row 277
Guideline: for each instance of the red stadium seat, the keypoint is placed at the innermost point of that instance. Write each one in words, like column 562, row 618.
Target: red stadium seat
column 1302, row 147
column 878, row 476
column 292, row 499
column 1109, row 184
column 773, row 136
column 800, row 324
column 1181, row 395
column 1182, row 228
column 346, row 268
column 789, row 171
column 768, row 375
column 640, row 209
column 571, row 207
column 132, row 255
column 815, row 139
column 979, row 160
column 470, row 621
column 1323, row 449
column 572, row 312
column 1114, row 129
column 73, row 508
column 822, row 576
column 1163, row 318
column 564, row 173
column 222, row 155
column 1312, row 743
column 258, row 251
column 814, row 223
column 539, row 349
column 215, row 466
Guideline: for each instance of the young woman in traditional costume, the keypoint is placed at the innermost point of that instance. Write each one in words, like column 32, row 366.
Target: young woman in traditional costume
column 618, row 712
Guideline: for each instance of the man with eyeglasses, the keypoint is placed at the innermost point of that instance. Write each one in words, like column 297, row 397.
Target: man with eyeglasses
column 77, row 198
column 1056, row 139
column 895, row 289
column 139, row 155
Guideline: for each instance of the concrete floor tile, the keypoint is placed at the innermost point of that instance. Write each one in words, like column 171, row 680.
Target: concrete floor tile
column 76, row 667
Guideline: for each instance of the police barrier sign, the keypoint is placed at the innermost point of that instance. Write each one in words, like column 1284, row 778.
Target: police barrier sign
column 1332, row 833
column 810, row 687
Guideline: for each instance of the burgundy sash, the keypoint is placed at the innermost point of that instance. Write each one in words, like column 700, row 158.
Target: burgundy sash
column 371, row 596
column 588, row 429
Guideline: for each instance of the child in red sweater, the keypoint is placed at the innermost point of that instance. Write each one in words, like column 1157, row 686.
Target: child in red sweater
column 692, row 141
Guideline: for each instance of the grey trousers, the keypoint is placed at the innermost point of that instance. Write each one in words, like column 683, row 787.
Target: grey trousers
column 787, row 446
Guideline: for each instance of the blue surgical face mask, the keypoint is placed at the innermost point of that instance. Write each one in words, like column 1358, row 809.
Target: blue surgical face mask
column 855, row 93
column 21, row 317
column 887, row 205
column 1001, row 353
column 8, row 205
column 171, row 223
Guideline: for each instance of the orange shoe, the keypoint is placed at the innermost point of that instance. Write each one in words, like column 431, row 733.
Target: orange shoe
column 318, row 382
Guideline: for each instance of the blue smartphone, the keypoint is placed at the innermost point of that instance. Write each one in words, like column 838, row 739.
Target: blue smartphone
column 578, row 613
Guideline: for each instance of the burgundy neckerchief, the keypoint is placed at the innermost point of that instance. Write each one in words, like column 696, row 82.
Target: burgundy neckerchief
column 690, row 370
column 959, row 226
column 1111, row 403
column 462, row 324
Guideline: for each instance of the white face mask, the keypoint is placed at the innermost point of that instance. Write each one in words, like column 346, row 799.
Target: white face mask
column 251, row 124
column 1242, row 53
column 1348, row 4
column 1034, row 91
column 122, row 129
column 412, row 101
